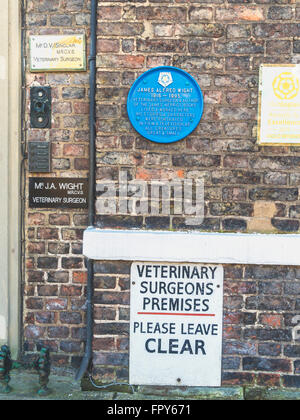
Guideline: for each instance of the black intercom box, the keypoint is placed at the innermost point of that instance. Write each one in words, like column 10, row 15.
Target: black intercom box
column 40, row 107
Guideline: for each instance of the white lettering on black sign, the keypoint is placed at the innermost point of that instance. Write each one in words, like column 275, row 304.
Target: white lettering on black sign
column 176, row 324
column 58, row 193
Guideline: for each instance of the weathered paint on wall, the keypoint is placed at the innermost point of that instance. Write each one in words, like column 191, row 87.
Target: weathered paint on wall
column 10, row 88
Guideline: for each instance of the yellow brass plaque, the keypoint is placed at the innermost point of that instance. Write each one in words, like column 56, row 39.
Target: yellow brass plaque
column 279, row 105
column 57, row 53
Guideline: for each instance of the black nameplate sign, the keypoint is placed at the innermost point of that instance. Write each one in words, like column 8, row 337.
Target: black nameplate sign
column 69, row 193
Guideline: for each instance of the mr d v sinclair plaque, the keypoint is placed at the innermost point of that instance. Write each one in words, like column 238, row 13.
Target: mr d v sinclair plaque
column 165, row 104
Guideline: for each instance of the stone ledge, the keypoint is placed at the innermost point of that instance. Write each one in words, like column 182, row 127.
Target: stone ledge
column 262, row 393
column 165, row 392
column 198, row 247
column 227, row 393
column 195, row 393
column 24, row 387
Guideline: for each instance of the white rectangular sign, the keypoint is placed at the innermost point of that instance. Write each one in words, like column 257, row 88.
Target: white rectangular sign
column 57, row 52
column 176, row 316
column 279, row 105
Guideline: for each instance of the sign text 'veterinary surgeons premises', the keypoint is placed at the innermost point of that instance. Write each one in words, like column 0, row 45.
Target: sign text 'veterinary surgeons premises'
column 176, row 324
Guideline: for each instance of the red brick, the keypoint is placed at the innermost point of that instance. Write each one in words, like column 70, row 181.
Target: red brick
column 109, row 13
column 36, row 219
column 81, row 107
column 70, row 290
column 73, row 150
column 271, row 320
column 108, row 46
column 240, row 13
column 104, row 344
column 80, row 277
column 121, row 61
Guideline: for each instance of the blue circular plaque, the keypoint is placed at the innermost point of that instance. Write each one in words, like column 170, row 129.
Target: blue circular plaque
column 165, row 104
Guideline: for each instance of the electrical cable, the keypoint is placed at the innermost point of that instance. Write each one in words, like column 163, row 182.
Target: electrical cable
column 86, row 360
column 109, row 385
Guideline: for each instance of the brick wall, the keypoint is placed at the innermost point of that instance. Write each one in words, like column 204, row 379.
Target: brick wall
column 248, row 188
column 222, row 45
column 54, row 289
column 259, row 304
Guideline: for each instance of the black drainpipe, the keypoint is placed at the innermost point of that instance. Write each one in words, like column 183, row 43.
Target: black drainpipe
column 86, row 361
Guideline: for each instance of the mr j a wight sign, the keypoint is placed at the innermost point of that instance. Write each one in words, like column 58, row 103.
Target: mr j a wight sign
column 58, row 193
column 176, row 324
